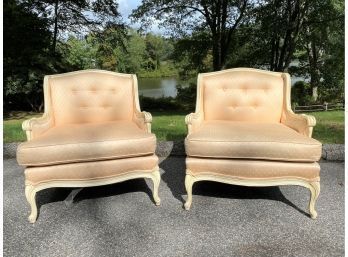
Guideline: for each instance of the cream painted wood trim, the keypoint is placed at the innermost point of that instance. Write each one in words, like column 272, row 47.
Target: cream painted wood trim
column 314, row 187
column 145, row 117
column 136, row 93
column 66, row 74
column 193, row 121
column 143, row 120
column 273, row 73
column 36, row 126
column 302, row 123
column 31, row 190
column 199, row 99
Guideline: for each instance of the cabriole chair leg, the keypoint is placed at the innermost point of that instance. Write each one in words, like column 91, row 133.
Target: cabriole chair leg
column 30, row 194
column 156, row 179
column 189, row 180
column 315, row 191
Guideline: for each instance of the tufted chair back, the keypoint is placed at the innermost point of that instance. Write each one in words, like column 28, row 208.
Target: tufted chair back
column 90, row 96
column 242, row 94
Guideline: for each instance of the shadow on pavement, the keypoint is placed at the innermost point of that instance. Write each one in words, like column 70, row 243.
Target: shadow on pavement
column 174, row 177
column 129, row 186
column 51, row 195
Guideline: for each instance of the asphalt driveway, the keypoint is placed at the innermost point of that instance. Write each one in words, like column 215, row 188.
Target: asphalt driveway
column 225, row 220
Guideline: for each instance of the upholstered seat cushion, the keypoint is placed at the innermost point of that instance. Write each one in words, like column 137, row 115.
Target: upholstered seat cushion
column 91, row 170
column 87, row 142
column 244, row 140
column 253, row 169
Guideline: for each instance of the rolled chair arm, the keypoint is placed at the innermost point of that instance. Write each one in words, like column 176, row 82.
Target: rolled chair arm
column 36, row 126
column 302, row 123
column 143, row 120
column 193, row 121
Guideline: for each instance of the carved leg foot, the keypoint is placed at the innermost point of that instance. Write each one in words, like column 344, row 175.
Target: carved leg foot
column 30, row 194
column 189, row 180
column 156, row 178
column 315, row 190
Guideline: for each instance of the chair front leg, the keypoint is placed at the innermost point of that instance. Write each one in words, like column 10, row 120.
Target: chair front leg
column 315, row 191
column 30, row 194
column 189, row 181
column 156, row 179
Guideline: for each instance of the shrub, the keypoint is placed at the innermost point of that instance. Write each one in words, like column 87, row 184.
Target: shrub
column 184, row 101
column 301, row 93
column 186, row 96
column 158, row 104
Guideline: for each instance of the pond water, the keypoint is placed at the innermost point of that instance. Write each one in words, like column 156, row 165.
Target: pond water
column 159, row 87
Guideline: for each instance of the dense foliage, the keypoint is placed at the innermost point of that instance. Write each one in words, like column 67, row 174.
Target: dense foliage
column 26, row 56
column 303, row 37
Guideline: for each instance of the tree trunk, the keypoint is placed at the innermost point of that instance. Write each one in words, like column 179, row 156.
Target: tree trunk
column 55, row 33
column 281, row 55
column 216, row 55
column 315, row 93
column 313, row 69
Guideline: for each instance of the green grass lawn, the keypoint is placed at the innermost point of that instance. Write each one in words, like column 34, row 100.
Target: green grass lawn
column 13, row 126
column 330, row 127
column 171, row 126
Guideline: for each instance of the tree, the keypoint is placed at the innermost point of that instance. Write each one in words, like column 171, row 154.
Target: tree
column 75, row 16
column 136, row 51
column 193, row 53
column 320, row 50
column 111, row 42
column 221, row 17
column 280, row 24
column 247, row 48
column 300, row 93
column 154, row 48
column 26, row 57
column 131, row 57
column 120, row 49
column 322, row 39
column 80, row 53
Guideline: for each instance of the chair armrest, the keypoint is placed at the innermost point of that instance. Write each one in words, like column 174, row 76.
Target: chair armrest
column 36, row 126
column 302, row 123
column 143, row 120
column 193, row 121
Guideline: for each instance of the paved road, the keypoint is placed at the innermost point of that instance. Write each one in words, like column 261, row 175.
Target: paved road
column 225, row 220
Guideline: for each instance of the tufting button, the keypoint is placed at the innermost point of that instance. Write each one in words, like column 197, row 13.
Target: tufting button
column 255, row 104
column 233, row 105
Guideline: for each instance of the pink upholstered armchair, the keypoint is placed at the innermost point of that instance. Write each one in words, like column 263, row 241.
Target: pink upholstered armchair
column 92, row 133
column 244, row 133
